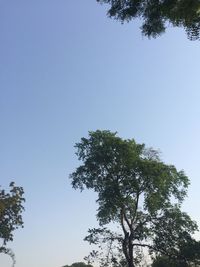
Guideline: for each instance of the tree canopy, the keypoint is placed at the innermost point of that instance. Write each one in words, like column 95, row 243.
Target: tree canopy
column 78, row 264
column 137, row 192
column 163, row 261
column 11, row 207
column 188, row 255
column 156, row 15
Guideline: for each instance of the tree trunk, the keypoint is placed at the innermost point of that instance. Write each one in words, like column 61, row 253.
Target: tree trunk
column 131, row 264
column 130, row 251
column 127, row 246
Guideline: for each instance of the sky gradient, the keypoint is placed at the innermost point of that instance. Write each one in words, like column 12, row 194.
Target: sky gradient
column 67, row 69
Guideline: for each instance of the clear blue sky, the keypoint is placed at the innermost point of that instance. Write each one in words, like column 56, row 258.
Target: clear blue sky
column 66, row 69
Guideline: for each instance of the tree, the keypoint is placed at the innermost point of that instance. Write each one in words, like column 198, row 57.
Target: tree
column 163, row 261
column 188, row 255
column 156, row 14
column 10, row 215
column 78, row 264
column 136, row 192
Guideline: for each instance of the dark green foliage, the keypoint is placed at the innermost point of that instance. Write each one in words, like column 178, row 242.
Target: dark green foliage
column 10, row 215
column 171, row 232
column 78, row 264
column 187, row 255
column 135, row 191
column 163, row 261
column 190, row 252
column 156, row 14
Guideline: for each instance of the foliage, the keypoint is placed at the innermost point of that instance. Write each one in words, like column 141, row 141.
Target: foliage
column 156, row 14
column 135, row 191
column 78, row 264
column 188, row 255
column 10, row 215
column 163, row 261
